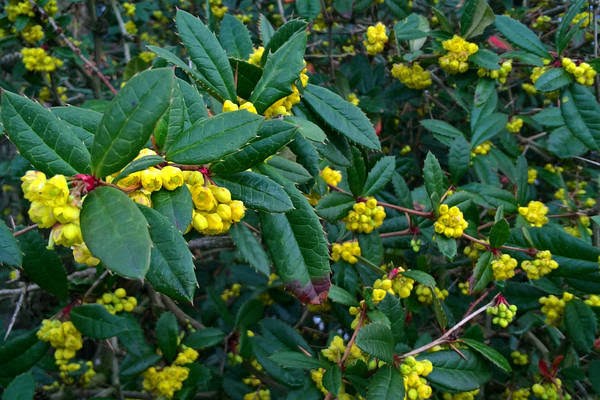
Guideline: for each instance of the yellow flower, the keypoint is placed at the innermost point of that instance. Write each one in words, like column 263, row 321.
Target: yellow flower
column 504, row 267
column 450, row 222
column 458, row 52
column 129, row 9
column 376, row 38
column 535, row 213
column 347, row 251
column 151, row 179
column 514, row 125
column 36, row 59
column 331, row 176
column 172, row 177
column 32, row 33
column 131, row 28
column 413, row 76
column 542, row 265
column 256, row 56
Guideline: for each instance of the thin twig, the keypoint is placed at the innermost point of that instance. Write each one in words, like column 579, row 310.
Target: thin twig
column 94, row 285
column 18, row 306
column 124, row 32
column 180, row 314
column 24, row 230
column 281, row 10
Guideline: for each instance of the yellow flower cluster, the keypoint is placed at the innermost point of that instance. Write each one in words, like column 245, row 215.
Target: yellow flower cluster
column 535, row 213
column 353, row 98
column 147, row 56
column 518, row 394
column 450, row 222
column 514, row 125
column 499, row 74
column 168, row 380
column 554, row 307
column 401, row 285
column 414, row 373
column 376, row 39
column 593, row 300
column 465, row 288
column 413, row 76
column 66, row 340
column 51, row 7
column 519, row 358
column 365, row 216
column 45, row 95
column 32, row 33
column 256, row 56
column 262, row 394
column 550, row 390
column 555, row 169
column 504, row 267
column 584, row 73
column 214, row 210
column 117, row 301
column 347, row 251
column 284, row 105
column 36, row 59
column 542, row 22
column 462, row 395
column 583, row 17
column 14, row 9
column 232, row 292
column 337, row 348
column 218, row 9
column 332, row 177
column 502, row 314
column 542, row 265
column 532, row 175
column 482, row 149
column 381, row 287
column 473, row 250
column 425, row 295
column 458, row 51
column 229, row 106
column 129, row 9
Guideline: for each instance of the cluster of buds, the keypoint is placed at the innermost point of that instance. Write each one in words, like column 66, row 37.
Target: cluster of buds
column 583, row 72
column 414, row 373
column 535, row 213
column 376, row 39
column 347, row 251
column 514, row 125
column 504, row 267
column 481, row 149
column 365, row 216
column 117, row 301
column 37, row 59
column 450, row 222
column 542, row 265
column 331, row 176
column 502, row 313
column 425, row 294
column 66, row 340
column 455, row 61
column 214, row 211
column 168, row 380
column 553, row 307
column 500, row 74
column 229, row 106
column 413, row 76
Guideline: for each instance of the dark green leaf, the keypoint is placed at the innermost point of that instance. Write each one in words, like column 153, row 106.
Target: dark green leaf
column 332, row 379
column 488, row 127
column 134, row 364
column 434, row 179
column 565, row 31
column 421, row 277
column 10, row 252
column 581, row 325
column 340, row 295
column 171, row 265
column 550, row 116
column 282, row 36
column 306, row 128
column 167, row 335
column 82, row 121
column 489, row 353
column 391, row 307
column 402, row 191
column 379, row 175
column 564, row 144
column 293, row 359
column 281, row 70
column 594, row 375
column 553, row 79
column 266, row 30
column 256, row 191
column 94, row 321
column 247, row 75
column 207, row 55
column 485, row 58
column 44, row 140
column 194, row 102
column 580, row 111
column 341, row 116
column 386, row 384
column 20, row 353
column 235, row 38
column 442, row 131
column 452, row 372
column 521, row 36
column 203, row 338
column 250, row 248
column 409, row 29
column 289, row 169
column 21, row 388
column 477, row 15
column 483, row 273
column 356, row 173
column 308, row 9
column 116, row 232
column 209, row 139
column 176, row 205
column 377, row 340
column 458, row 158
column 139, row 165
column 522, row 178
column 446, row 245
column 371, row 247
column 334, row 205
column 499, row 233
column 130, row 120
column 249, row 314
column 43, row 266
column 559, row 242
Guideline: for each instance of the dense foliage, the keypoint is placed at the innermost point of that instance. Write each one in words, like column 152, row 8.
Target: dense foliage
column 300, row 200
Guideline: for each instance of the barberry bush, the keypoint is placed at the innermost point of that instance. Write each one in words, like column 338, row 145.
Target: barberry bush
column 300, row 200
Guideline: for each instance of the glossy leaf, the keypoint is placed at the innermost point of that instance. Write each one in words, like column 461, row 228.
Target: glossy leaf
column 250, row 248
column 21, row 388
column 282, row 36
column 486, row 59
column 521, row 36
column 308, row 9
column 44, row 140
column 580, row 111
column 452, row 372
column 379, row 175
column 421, row 277
column 499, row 233
column 442, row 131
column 203, row 338
column 458, row 158
column 483, row 273
column 138, row 165
column 207, row 55
column 293, row 359
column 332, row 379
column 18, row 354
column 94, row 321
column 82, row 121
column 553, row 79
column 308, row 129
column 377, row 340
column 489, row 353
column 176, row 205
column 130, row 119
column 488, row 128
column 289, row 169
column 581, row 325
column 235, row 38
column 10, row 252
column 116, row 232
column 434, row 179
column 171, row 265
column 167, row 335
column 477, row 15
column 341, row 296
column 334, row 205
column 386, row 384
column 341, row 116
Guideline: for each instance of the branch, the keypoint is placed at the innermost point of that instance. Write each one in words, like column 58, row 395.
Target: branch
column 30, row 288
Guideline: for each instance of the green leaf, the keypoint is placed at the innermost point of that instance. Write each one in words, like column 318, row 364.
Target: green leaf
column 488, row 127
column 483, row 274
column 499, row 233
column 434, row 180
column 340, row 295
column 486, row 59
column 356, row 173
column 452, row 372
column 43, row 266
column 334, row 205
column 282, row 36
column 135, row 364
column 332, row 379
column 564, row 144
column 271, row 137
column 247, row 75
column 581, row 325
column 207, row 55
column 342, row 116
column 176, row 205
column 82, row 121
column 565, row 31
column 521, row 36
column 21, row 388
column 249, row 314
column 256, row 191
column 250, row 248
column 194, row 102
column 386, row 384
column 580, row 111
column 266, row 30
column 379, row 175
column 20, row 353
column 235, row 38
column 377, row 340
column 308, row 9
column 446, row 245
column 175, row 120
column 308, row 129
column 489, row 353
column 409, row 29
column 298, row 247
column 116, row 232
column 94, row 321
column 167, row 335
column 522, row 178
column 553, row 79
column 550, row 116
column 44, row 140
column 289, row 169
column 171, row 264
column 212, row 138
column 130, row 119
column 281, row 70
column 442, row 131
column 402, row 191
column 477, row 15
column 293, row 359
column 203, row 338
column 391, row 307
column 139, row 165
column 458, row 158
column 10, row 252
column 421, row 277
